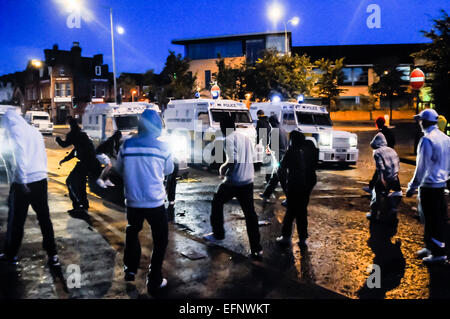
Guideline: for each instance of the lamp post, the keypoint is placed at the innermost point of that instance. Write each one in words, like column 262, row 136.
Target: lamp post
column 275, row 13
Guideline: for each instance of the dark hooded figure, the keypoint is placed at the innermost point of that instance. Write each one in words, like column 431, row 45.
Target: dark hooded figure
column 299, row 163
column 144, row 161
column 87, row 165
column 278, row 145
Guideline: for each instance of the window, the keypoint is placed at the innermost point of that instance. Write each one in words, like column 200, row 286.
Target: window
column 238, row 115
column 305, row 118
column 68, row 90
column 98, row 70
column 289, row 119
column 103, row 91
column 226, row 49
column 354, row 76
column 203, row 117
column 58, row 89
column 94, row 91
column 61, row 71
column 276, row 42
column 128, row 122
column 323, row 119
column 254, row 49
column 207, row 79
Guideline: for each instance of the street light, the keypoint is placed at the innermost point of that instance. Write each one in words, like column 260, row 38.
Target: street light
column 36, row 63
column 133, row 93
column 275, row 13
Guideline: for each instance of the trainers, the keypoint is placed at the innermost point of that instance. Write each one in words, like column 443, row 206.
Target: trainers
column 54, row 261
column 13, row 261
column 367, row 189
column 100, row 182
column 212, row 237
column 424, row 252
column 284, row 203
column 283, row 240
column 109, row 183
column 151, row 290
column 130, row 276
column 434, row 259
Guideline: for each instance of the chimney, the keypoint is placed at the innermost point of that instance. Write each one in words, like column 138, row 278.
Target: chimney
column 76, row 50
column 55, row 47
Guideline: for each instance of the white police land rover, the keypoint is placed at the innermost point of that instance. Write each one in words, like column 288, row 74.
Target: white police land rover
column 314, row 121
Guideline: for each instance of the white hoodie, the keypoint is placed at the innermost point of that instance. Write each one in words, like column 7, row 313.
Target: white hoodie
column 28, row 148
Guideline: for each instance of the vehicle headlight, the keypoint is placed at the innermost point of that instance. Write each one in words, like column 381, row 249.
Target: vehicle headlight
column 179, row 146
column 325, row 140
column 353, row 141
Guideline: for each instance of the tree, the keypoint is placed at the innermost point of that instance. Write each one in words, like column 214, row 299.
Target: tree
column 230, row 80
column 175, row 80
column 327, row 85
column 389, row 83
column 286, row 75
column 437, row 62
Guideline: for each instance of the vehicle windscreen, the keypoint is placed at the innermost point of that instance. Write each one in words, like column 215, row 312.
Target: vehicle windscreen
column 40, row 118
column 320, row 119
column 127, row 122
column 239, row 116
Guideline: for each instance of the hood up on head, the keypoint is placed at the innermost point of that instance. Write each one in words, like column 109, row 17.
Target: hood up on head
column 12, row 122
column 297, row 139
column 150, row 124
column 378, row 141
column 273, row 120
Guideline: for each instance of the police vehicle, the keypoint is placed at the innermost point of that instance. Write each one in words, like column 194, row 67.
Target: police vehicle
column 314, row 121
column 40, row 120
column 197, row 123
column 7, row 160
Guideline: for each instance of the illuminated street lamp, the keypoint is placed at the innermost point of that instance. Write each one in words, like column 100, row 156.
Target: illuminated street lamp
column 133, row 93
column 275, row 13
column 36, row 63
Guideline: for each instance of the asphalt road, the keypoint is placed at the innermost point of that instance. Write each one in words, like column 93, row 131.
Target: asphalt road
column 342, row 243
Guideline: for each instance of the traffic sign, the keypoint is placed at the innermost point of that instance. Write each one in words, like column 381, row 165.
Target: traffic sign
column 417, row 79
column 215, row 91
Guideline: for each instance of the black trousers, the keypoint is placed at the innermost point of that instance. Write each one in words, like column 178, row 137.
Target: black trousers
column 19, row 202
column 171, row 184
column 157, row 219
column 434, row 206
column 76, row 184
column 277, row 177
column 244, row 195
column 297, row 208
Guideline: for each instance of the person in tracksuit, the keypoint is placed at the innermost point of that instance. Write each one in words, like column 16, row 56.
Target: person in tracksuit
column 144, row 161
column 390, row 140
column 29, row 187
column 263, row 129
column 300, row 163
column 387, row 193
column 239, row 173
column 87, row 165
column 279, row 149
column 431, row 176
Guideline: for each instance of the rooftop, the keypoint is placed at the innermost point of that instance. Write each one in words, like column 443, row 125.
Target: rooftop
column 231, row 37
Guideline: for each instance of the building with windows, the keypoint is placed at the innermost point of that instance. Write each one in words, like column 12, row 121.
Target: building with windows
column 234, row 49
column 358, row 72
column 65, row 82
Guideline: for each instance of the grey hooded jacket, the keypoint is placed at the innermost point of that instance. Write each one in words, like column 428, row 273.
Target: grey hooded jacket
column 386, row 159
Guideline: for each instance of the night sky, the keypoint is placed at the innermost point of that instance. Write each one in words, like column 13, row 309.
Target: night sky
column 29, row 26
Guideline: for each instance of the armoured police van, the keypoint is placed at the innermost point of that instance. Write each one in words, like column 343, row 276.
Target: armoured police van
column 100, row 121
column 198, row 122
column 7, row 159
column 315, row 122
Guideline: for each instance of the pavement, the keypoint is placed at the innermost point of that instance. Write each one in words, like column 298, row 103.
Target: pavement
column 343, row 244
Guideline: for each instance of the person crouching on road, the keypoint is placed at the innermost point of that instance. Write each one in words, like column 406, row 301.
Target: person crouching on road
column 431, row 176
column 105, row 151
column 300, row 162
column 239, row 173
column 28, row 188
column 384, row 203
column 144, row 161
